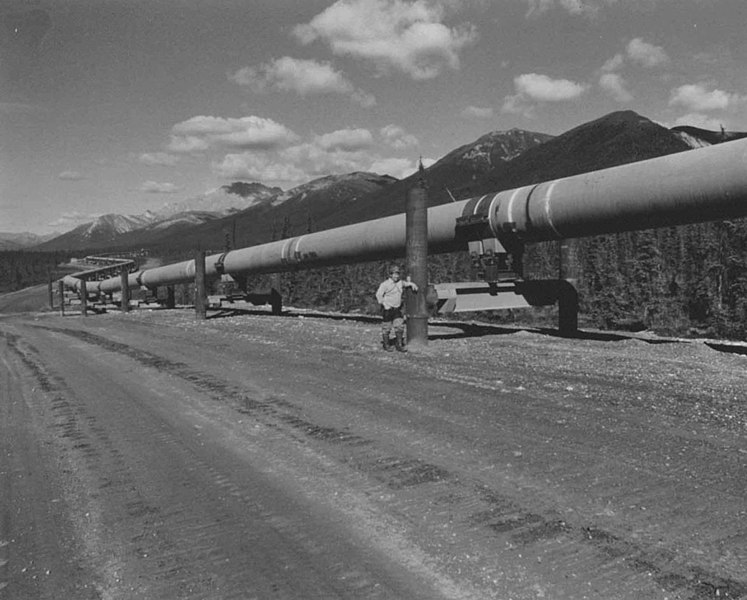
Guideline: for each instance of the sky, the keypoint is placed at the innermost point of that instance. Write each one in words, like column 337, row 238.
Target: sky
column 122, row 106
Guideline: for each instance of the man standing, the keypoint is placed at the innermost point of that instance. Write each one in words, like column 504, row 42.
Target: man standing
column 389, row 296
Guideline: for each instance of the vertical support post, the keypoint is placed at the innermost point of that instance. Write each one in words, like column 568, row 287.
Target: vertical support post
column 416, row 259
column 124, row 274
column 567, row 290
column 170, row 297
column 567, row 308
column 276, row 298
column 567, row 261
column 50, row 292
column 83, row 293
column 61, row 291
column 276, row 302
column 200, row 285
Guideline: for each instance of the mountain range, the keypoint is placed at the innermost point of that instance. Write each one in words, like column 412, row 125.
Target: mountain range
column 243, row 214
column 19, row 241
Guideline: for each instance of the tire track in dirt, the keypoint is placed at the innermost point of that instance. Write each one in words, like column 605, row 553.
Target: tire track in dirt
column 569, row 550
column 39, row 541
column 170, row 548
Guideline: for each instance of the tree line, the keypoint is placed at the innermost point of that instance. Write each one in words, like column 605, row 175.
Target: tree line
column 23, row 268
column 687, row 280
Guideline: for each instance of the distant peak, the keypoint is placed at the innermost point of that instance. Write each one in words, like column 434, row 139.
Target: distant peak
column 624, row 116
column 244, row 189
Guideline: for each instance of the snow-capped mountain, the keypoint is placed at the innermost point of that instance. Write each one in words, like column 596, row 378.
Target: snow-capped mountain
column 495, row 147
column 18, row 241
column 698, row 138
column 351, row 186
column 108, row 229
column 223, row 200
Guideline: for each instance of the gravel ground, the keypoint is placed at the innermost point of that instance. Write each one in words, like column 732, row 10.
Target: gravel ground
column 494, row 463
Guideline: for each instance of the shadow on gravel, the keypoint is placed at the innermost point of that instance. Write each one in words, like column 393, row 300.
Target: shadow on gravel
column 472, row 330
column 728, row 348
column 235, row 312
column 478, row 330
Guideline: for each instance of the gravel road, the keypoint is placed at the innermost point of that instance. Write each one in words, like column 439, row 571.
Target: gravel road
column 151, row 455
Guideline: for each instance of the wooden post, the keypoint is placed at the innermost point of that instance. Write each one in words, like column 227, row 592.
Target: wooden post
column 50, row 291
column 124, row 274
column 200, row 285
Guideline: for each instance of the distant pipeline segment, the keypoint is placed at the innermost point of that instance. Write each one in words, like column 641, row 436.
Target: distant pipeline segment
column 707, row 184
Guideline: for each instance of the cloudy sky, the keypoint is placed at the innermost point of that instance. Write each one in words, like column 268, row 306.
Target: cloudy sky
column 125, row 105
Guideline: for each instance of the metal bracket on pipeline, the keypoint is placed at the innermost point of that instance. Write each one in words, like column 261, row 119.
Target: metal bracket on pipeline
column 490, row 258
column 220, row 267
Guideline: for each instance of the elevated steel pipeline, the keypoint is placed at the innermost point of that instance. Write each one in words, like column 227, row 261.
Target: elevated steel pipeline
column 701, row 185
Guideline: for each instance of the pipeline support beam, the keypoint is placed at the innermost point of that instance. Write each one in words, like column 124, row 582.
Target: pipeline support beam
column 170, row 297
column 124, row 274
column 83, row 294
column 61, row 290
column 707, row 184
column 200, row 285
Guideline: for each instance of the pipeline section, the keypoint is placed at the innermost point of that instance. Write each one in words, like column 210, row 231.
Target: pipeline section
column 706, row 184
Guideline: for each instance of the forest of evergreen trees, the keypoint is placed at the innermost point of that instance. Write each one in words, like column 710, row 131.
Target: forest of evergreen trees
column 688, row 280
column 23, row 268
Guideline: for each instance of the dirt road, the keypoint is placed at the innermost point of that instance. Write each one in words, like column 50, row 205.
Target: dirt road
column 151, row 455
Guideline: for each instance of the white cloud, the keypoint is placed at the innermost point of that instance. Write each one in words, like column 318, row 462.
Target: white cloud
column 70, row 176
column 645, row 54
column 294, row 165
column 615, row 86
column 348, row 140
column 697, row 98
column 518, row 105
column 638, row 52
column 187, row 144
column 544, row 89
column 532, row 88
column 70, row 220
column 305, row 77
column 162, row 159
column 245, row 133
column 365, row 99
column 154, row 187
column 396, row 167
column 477, row 112
column 586, row 8
column 613, row 64
column 391, row 34
column 396, row 137
column 317, row 160
column 337, row 152
column 260, row 167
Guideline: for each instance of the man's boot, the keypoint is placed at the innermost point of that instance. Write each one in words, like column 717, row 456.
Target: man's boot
column 400, row 341
column 385, row 342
